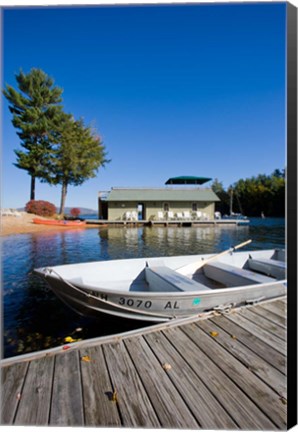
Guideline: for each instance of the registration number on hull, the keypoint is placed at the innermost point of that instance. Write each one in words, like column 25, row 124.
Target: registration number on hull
column 147, row 304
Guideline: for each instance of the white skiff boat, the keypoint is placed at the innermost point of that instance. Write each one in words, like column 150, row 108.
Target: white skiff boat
column 159, row 289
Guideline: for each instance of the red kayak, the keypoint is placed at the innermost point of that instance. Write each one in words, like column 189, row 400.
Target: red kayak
column 65, row 223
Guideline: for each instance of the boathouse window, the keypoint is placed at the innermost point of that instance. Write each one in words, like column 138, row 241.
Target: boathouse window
column 194, row 207
column 166, row 207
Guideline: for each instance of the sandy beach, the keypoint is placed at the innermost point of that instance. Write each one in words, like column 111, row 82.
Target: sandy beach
column 23, row 224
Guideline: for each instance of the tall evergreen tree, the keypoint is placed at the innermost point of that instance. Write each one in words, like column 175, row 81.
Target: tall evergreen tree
column 78, row 156
column 36, row 111
column 223, row 205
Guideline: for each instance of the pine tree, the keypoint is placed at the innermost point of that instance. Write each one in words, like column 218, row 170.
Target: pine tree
column 78, row 156
column 223, row 205
column 36, row 112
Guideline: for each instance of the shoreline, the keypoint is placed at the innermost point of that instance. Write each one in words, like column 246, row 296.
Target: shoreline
column 23, row 224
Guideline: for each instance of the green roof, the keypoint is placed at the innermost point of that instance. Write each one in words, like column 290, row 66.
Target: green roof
column 188, row 180
column 164, row 194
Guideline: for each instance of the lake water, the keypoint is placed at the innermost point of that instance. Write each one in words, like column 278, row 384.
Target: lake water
column 34, row 318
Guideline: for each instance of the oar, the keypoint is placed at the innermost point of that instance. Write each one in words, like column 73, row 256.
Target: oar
column 192, row 267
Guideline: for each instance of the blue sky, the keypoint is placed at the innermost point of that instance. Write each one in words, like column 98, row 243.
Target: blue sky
column 172, row 90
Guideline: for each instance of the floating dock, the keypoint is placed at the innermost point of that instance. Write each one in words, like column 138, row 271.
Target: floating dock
column 213, row 371
column 179, row 223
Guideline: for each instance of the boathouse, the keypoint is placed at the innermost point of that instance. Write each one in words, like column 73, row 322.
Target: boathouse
column 176, row 201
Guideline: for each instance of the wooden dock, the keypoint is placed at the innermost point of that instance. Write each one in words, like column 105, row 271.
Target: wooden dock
column 166, row 223
column 223, row 371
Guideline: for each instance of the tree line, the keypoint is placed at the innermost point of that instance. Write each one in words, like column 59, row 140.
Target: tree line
column 255, row 196
column 56, row 148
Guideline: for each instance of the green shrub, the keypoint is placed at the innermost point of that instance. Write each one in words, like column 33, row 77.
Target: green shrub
column 40, row 208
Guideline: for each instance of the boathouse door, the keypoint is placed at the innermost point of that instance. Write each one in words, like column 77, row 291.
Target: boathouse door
column 141, row 211
column 103, row 209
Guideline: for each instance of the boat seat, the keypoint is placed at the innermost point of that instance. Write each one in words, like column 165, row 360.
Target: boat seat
column 163, row 279
column 270, row 267
column 233, row 276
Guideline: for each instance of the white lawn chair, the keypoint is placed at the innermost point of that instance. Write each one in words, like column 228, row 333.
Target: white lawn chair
column 179, row 215
column 15, row 213
column 127, row 216
column 197, row 215
column 160, row 215
column 134, row 216
column 170, row 215
column 6, row 212
column 186, row 215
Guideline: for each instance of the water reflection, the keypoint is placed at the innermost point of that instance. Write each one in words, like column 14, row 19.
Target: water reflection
column 168, row 241
column 33, row 316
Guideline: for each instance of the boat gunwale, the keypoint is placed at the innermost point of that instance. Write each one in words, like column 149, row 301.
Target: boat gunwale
column 83, row 289
column 51, row 272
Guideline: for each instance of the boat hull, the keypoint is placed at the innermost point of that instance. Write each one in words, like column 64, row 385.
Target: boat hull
column 159, row 307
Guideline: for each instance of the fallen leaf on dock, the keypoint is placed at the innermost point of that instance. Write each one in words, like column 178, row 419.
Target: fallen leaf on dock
column 283, row 400
column 166, row 366
column 69, row 339
column 19, row 396
column 86, row 358
column 233, row 337
column 214, row 333
column 114, row 396
column 66, row 347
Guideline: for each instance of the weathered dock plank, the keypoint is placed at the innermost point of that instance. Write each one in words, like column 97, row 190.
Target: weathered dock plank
column 36, row 393
column 264, row 323
column 97, row 389
column 269, row 374
column 133, row 402
column 167, row 402
column 277, row 307
column 265, row 398
column 13, row 379
column 259, row 346
column 204, row 405
column 261, row 333
column 240, row 407
column 276, row 319
column 67, row 406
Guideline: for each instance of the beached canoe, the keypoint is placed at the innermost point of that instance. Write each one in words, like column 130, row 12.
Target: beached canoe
column 159, row 289
column 64, row 223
